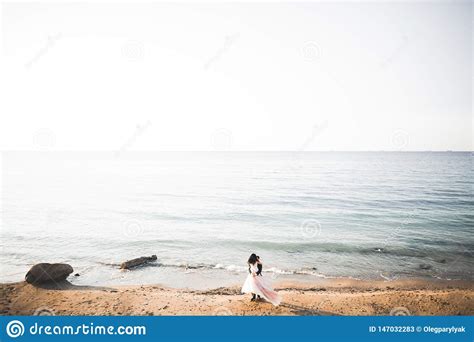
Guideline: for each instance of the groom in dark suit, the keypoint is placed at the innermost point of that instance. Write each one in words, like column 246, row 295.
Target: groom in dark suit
column 259, row 273
column 259, row 266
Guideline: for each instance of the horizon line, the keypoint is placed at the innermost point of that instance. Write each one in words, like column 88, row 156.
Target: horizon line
column 240, row 151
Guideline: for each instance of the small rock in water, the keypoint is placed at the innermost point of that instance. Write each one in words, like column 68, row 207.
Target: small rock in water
column 425, row 267
column 47, row 273
column 76, row 275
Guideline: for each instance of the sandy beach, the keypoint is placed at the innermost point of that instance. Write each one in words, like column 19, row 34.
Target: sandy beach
column 326, row 297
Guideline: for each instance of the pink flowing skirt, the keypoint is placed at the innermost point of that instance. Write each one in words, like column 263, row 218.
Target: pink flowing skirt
column 261, row 287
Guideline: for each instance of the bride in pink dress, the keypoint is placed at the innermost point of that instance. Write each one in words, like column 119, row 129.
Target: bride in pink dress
column 257, row 285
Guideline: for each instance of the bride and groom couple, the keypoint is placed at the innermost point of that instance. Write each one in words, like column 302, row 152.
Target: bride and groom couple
column 257, row 285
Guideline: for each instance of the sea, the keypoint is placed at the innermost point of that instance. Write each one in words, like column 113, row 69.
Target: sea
column 308, row 215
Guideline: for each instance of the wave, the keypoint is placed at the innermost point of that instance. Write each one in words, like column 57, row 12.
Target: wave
column 275, row 272
column 231, row 268
column 414, row 247
column 383, row 248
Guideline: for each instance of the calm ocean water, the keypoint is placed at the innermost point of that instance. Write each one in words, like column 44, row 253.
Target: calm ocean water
column 307, row 214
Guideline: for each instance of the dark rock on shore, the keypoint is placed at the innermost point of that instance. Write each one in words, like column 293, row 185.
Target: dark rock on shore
column 47, row 273
column 137, row 262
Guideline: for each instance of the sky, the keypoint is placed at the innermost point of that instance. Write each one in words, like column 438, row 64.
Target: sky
column 237, row 77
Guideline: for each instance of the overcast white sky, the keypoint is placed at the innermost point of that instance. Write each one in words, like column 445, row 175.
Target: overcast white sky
column 312, row 76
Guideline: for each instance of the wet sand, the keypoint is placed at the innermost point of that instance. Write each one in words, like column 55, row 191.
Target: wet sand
column 326, row 297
